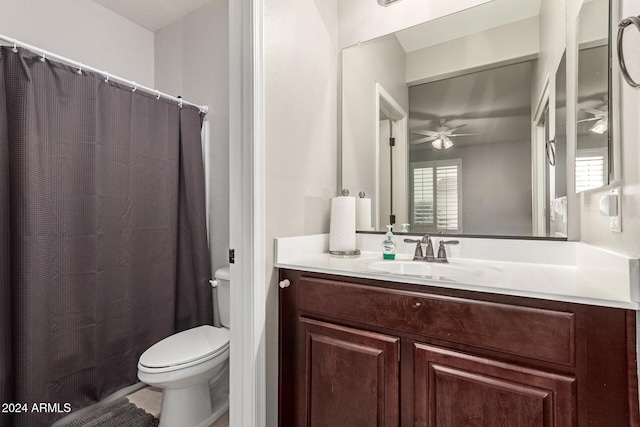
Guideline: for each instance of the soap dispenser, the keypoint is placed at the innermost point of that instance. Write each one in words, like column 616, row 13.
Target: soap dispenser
column 389, row 245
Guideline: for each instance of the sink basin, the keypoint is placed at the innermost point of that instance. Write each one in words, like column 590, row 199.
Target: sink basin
column 419, row 268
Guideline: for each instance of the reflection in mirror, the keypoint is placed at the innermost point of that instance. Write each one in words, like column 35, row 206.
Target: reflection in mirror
column 497, row 36
column 470, row 152
column 477, row 184
column 392, row 168
column 558, row 197
column 592, row 147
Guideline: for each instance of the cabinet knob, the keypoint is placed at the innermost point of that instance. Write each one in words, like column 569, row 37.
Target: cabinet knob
column 284, row 283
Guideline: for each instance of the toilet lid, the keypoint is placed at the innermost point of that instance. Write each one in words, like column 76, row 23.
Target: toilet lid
column 186, row 346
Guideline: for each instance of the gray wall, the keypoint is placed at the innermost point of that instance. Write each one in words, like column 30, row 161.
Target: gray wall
column 496, row 186
column 192, row 60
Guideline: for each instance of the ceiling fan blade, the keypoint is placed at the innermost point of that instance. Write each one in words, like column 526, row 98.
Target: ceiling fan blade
column 423, row 140
column 424, row 132
column 593, row 111
column 465, row 134
column 450, row 131
column 589, row 120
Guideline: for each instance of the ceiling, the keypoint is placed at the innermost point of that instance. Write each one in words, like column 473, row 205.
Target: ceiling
column 474, row 20
column 495, row 104
column 152, row 14
column 156, row 14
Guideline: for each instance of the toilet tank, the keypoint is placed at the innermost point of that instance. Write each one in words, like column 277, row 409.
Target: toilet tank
column 224, row 301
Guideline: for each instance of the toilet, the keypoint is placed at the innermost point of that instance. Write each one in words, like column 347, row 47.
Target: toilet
column 190, row 367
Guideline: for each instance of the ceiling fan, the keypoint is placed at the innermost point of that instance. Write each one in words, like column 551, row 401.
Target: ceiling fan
column 600, row 115
column 441, row 136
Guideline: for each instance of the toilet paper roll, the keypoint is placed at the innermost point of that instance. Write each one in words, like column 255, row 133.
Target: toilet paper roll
column 342, row 229
column 363, row 214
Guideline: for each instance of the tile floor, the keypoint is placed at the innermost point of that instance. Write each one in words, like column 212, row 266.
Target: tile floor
column 150, row 399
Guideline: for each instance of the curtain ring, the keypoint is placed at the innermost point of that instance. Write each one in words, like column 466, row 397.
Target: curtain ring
column 180, row 103
column 44, row 56
column 80, row 69
column 15, row 46
column 157, row 94
column 135, row 87
column 106, row 77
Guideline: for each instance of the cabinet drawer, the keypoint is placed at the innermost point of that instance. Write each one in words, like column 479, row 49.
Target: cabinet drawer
column 540, row 334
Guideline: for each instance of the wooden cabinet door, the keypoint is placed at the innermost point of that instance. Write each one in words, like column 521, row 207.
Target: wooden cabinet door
column 350, row 377
column 453, row 389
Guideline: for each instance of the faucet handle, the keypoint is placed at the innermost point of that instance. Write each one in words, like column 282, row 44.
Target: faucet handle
column 449, row 242
column 442, row 253
column 417, row 256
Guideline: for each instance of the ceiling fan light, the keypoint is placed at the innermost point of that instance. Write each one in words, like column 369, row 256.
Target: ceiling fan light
column 437, row 144
column 600, row 127
column 448, row 143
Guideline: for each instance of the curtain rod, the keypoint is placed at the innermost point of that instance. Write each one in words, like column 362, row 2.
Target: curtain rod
column 108, row 76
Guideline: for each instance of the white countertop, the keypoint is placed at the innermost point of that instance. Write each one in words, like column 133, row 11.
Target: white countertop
column 551, row 270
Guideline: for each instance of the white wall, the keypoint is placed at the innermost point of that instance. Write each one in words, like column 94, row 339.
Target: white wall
column 83, row 31
column 361, row 20
column 192, row 60
column 591, row 25
column 378, row 61
column 594, row 227
column 301, row 99
column 496, row 45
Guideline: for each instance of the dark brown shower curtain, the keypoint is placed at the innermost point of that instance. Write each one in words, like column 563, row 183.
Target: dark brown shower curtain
column 103, row 245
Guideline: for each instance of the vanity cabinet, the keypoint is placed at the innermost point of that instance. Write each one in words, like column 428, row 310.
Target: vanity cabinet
column 360, row 352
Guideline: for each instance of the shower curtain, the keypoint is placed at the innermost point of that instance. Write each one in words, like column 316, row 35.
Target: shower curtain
column 103, row 247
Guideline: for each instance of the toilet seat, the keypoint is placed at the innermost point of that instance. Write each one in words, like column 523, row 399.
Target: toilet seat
column 184, row 349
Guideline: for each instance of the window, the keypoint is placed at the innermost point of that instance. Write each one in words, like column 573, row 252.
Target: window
column 591, row 168
column 436, row 195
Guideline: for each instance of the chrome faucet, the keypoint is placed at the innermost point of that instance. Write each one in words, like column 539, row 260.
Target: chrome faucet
column 429, row 256
column 418, row 254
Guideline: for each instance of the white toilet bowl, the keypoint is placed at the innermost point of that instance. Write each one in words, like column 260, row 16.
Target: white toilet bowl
column 191, row 365
column 185, row 365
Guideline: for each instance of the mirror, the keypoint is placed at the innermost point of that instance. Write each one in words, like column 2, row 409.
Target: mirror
column 460, row 63
column 470, row 152
column 592, row 145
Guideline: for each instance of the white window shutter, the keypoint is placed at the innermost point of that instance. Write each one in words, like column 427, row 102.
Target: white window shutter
column 436, row 195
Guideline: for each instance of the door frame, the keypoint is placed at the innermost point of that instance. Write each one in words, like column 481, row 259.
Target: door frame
column 539, row 161
column 392, row 109
column 247, row 361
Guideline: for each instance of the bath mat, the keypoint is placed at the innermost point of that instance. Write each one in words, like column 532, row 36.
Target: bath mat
column 118, row 413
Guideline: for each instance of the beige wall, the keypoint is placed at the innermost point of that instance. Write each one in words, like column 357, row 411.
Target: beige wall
column 301, row 98
column 594, row 227
column 83, row 31
column 378, row 61
column 508, row 42
column 192, row 60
